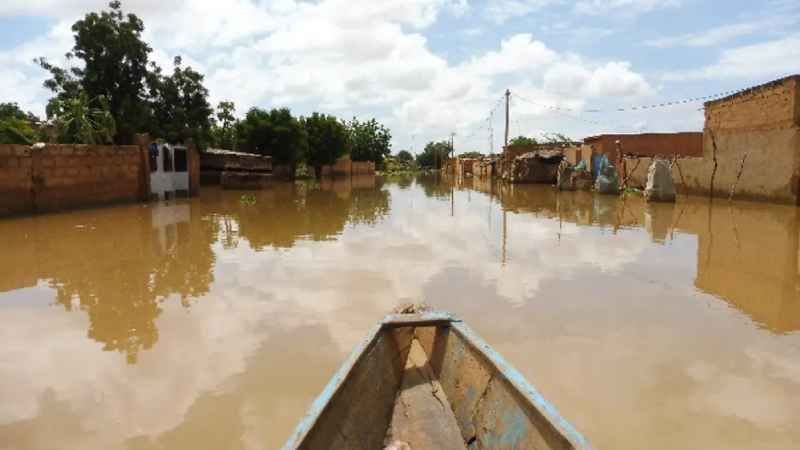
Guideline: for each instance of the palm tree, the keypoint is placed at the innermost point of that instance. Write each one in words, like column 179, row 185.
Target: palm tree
column 78, row 121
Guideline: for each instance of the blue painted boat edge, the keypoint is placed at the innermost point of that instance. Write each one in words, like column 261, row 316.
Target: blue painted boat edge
column 308, row 421
column 430, row 316
column 522, row 385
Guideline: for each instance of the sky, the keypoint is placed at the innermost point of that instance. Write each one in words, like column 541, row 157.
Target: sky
column 429, row 68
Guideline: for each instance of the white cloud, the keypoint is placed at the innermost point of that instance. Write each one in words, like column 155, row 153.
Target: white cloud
column 707, row 38
column 502, row 10
column 766, row 59
column 364, row 58
column 610, row 79
column 626, row 8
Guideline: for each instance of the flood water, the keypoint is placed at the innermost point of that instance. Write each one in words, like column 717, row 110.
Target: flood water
column 212, row 323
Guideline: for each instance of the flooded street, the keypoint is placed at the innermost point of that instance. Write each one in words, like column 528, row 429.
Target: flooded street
column 212, row 323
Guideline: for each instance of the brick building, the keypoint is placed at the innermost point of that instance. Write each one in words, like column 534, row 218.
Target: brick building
column 683, row 145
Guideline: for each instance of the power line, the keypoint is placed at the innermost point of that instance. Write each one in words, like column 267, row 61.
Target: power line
column 643, row 107
column 559, row 111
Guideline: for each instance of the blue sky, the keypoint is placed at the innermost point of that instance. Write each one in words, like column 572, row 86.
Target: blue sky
column 427, row 68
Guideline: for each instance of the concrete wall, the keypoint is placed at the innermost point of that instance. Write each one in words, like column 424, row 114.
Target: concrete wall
column 60, row 177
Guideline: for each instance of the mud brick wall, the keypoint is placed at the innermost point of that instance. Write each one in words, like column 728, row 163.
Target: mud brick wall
column 760, row 126
column 689, row 144
column 762, row 123
column 16, row 180
column 61, row 177
column 767, row 107
column 363, row 168
column 342, row 167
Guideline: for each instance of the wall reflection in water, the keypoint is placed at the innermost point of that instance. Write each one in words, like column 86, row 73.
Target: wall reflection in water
column 747, row 253
column 222, row 319
column 118, row 265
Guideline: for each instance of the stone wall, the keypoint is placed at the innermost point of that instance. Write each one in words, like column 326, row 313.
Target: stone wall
column 60, row 177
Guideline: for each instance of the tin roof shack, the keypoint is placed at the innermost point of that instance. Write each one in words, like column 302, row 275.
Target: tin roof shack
column 236, row 168
column 539, row 166
column 512, row 151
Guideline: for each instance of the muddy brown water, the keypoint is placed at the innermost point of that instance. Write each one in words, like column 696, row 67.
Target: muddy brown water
column 211, row 323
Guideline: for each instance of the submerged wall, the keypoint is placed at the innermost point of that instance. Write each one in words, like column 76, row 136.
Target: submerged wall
column 757, row 133
column 60, row 177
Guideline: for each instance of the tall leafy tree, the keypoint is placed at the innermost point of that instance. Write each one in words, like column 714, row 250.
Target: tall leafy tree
column 434, row 155
column 275, row 133
column 179, row 104
column 327, row 140
column 369, row 141
column 114, row 66
column 405, row 157
column 223, row 130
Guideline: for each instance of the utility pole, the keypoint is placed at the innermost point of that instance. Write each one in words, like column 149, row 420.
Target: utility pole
column 508, row 112
column 452, row 149
column 491, row 133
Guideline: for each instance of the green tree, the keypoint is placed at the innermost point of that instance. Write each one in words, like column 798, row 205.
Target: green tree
column 405, row 157
column 369, row 141
column 223, row 131
column 275, row 133
column 523, row 140
column 327, row 140
column 79, row 122
column 474, row 155
column 114, row 66
column 16, row 127
column 179, row 105
column 558, row 138
column 434, row 155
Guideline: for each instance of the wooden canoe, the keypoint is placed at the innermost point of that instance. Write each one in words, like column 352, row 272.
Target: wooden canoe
column 427, row 381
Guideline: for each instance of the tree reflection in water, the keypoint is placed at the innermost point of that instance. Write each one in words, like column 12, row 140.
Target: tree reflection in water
column 120, row 264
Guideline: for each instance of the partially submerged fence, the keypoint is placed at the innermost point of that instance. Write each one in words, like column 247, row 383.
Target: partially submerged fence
column 58, row 177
